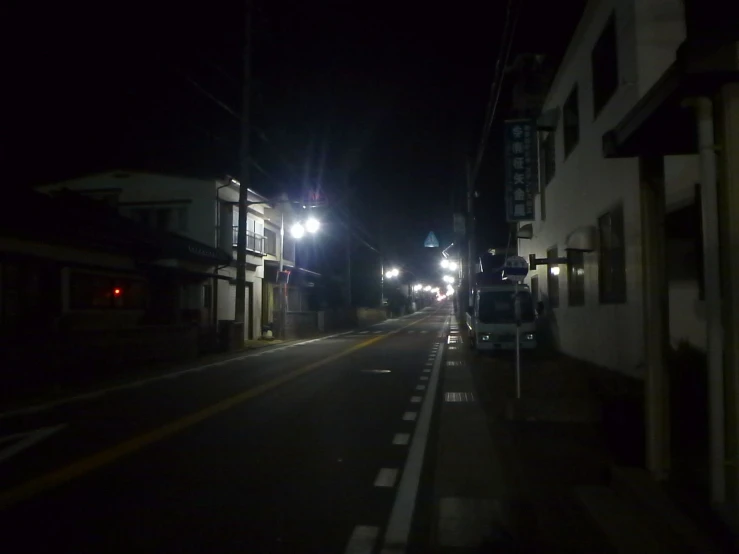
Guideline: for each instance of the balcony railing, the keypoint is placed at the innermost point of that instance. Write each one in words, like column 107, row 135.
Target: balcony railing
column 254, row 243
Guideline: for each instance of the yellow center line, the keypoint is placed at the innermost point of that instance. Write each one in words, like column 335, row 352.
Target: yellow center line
column 100, row 459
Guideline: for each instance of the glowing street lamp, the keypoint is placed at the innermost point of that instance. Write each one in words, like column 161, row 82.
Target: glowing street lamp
column 312, row 225
column 297, row 231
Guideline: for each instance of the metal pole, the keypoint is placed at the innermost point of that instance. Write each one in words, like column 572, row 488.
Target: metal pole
column 348, row 284
column 282, row 268
column 240, row 303
column 712, row 280
column 517, row 313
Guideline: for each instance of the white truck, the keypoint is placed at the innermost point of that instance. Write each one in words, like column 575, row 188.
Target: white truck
column 492, row 320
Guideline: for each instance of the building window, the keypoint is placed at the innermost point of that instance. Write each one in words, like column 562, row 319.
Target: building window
column 684, row 234
column 89, row 291
column 270, row 242
column 289, row 248
column 547, row 161
column 553, row 278
column 575, row 278
column 604, row 62
column 163, row 219
column 612, row 263
column 571, row 115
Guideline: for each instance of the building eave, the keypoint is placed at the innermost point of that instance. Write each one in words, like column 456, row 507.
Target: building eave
column 660, row 124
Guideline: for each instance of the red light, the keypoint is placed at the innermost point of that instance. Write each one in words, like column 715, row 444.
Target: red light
column 116, row 292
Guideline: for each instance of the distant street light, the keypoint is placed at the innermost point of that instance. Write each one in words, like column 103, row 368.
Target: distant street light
column 427, row 288
column 298, row 230
column 417, row 288
column 312, row 225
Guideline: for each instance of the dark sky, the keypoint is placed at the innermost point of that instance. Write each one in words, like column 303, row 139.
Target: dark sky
column 378, row 103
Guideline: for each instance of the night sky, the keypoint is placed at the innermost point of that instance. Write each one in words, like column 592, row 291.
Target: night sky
column 378, row 104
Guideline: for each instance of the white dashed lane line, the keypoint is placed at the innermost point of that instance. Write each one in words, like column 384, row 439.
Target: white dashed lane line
column 362, row 540
column 386, row 477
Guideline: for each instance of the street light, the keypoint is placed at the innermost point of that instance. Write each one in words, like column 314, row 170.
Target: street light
column 448, row 279
column 298, row 229
column 445, row 263
column 417, row 288
column 453, row 266
column 427, row 288
column 312, row 225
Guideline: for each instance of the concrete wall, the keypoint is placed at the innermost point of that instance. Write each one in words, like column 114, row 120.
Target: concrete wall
column 586, row 185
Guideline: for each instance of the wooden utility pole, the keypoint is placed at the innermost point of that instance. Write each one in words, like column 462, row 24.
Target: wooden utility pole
column 348, row 270
column 244, row 157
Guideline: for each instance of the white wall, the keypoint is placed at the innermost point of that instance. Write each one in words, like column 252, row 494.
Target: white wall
column 145, row 187
column 203, row 219
column 586, row 185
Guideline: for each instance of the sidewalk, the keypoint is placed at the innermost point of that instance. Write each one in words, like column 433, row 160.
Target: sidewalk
column 540, row 475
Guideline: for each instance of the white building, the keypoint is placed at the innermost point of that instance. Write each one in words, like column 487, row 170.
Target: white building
column 619, row 50
column 638, row 205
column 203, row 210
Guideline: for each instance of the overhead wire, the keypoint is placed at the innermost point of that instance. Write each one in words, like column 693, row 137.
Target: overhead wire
column 509, row 31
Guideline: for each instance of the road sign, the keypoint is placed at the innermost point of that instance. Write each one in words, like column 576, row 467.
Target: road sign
column 521, row 169
column 431, row 241
column 515, row 269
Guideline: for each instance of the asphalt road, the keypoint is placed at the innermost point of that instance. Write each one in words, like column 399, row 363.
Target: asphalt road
column 310, row 447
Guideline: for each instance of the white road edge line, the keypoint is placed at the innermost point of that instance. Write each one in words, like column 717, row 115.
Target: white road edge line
column 401, row 517
column 135, row 384
column 362, row 540
column 27, row 440
column 401, row 439
column 410, row 416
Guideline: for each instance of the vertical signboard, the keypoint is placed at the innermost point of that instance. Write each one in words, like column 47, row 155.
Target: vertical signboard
column 521, row 169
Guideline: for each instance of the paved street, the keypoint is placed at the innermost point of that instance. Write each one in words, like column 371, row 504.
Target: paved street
column 292, row 448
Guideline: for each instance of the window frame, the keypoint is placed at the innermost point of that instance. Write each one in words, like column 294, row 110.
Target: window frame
column 605, row 71
column 100, row 281
column 575, row 280
column 571, row 140
column 612, row 261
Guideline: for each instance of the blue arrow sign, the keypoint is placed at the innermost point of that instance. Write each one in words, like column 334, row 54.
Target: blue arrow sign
column 431, row 241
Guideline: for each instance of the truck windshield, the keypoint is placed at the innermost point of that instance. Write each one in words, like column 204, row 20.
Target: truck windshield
column 497, row 307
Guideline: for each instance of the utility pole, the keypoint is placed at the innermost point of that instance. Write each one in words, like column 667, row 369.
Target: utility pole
column 348, row 284
column 244, row 157
column 470, row 228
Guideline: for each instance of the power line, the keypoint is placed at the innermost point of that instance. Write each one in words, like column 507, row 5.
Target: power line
column 511, row 22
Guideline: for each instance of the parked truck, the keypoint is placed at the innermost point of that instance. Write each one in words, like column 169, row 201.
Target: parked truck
column 493, row 317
